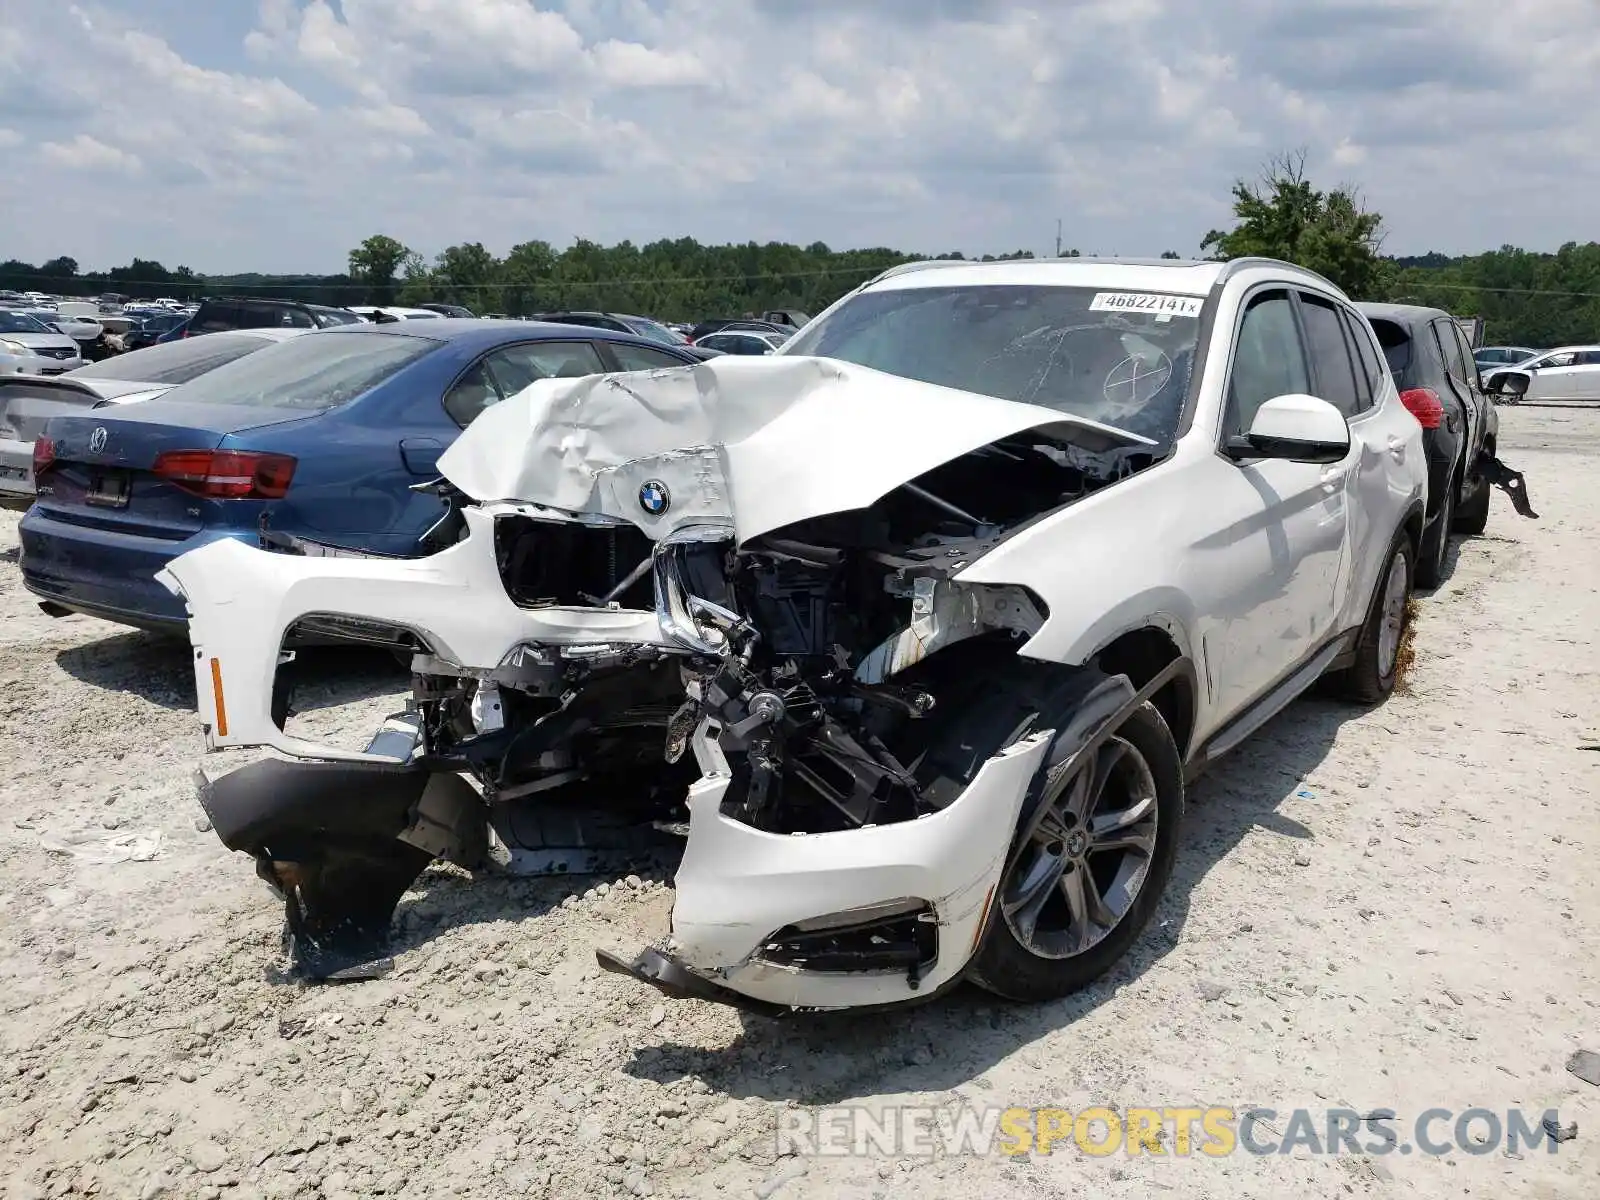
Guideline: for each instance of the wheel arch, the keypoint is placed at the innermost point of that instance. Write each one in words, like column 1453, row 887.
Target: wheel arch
column 1143, row 653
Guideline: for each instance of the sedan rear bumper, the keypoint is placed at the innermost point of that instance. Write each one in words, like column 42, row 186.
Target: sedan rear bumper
column 103, row 572
column 16, row 473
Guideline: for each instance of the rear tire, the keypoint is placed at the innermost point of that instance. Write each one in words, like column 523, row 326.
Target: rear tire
column 1071, row 940
column 1370, row 679
column 1472, row 518
column 1435, row 555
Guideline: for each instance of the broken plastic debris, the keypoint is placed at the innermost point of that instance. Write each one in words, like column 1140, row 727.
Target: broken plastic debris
column 136, row 845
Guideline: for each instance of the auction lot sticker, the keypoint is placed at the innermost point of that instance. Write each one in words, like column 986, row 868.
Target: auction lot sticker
column 1146, row 302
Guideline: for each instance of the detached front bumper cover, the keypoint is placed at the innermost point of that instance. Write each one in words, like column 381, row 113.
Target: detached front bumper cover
column 1510, row 482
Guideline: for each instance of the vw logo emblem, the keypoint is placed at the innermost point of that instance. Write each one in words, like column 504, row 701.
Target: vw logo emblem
column 97, row 440
column 654, row 497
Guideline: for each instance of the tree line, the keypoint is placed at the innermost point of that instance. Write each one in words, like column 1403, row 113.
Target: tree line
column 1526, row 297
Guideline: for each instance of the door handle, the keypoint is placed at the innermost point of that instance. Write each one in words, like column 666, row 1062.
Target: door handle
column 421, row 455
column 1397, row 447
column 1333, row 479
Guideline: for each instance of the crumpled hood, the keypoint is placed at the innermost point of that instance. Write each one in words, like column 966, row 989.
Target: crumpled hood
column 756, row 443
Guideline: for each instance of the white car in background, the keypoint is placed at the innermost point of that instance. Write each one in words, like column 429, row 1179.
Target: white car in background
column 944, row 604
column 1569, row 373
column 743, row 341
column 375, row 312
column 31, row 345
column 27, row 402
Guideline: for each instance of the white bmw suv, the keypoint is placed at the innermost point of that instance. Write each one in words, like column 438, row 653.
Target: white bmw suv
column 949, row 600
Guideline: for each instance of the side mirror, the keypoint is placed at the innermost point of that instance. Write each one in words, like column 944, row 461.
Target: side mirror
column 1296, row 427
column 1508, row 383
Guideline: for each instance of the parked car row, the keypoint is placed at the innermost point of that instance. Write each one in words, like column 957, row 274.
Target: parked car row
column 919, row 626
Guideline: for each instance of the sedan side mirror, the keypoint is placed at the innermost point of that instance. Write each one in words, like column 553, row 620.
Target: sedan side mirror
column 1508, row 383
column 1297, row 427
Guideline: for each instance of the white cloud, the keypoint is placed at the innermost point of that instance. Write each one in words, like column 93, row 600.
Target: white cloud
column 630, row 65
column 924, row 124
column 84, row 153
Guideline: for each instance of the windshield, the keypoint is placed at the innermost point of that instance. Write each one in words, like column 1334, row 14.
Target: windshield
column 1121, row 358
column 315, row 371
column 175, row 362
column 15, row 322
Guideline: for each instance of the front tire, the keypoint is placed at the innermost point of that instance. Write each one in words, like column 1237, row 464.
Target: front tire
column 1371, row 678
column 1088, row 878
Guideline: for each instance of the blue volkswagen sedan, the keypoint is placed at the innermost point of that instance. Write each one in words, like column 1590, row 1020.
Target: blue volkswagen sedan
column 319, row 440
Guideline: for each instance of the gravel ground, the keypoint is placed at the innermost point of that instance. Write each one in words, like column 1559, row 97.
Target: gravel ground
column 1387, row 909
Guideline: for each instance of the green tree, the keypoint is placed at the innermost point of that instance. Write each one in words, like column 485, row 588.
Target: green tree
column 1283, row 216
column 468, row 274
column 61, row 270
column 523, row 273
column 374, row 265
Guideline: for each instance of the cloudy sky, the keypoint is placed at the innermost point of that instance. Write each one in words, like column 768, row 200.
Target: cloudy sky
column 275, row 134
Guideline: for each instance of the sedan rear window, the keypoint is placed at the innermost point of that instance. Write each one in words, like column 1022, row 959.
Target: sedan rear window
column 314, row 372
column 175, row 362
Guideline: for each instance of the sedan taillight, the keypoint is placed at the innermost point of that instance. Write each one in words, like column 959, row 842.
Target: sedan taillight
column 44, row 455
column 227, row 474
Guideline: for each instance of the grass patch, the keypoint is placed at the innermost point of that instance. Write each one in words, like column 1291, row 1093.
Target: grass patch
column 1406, row 657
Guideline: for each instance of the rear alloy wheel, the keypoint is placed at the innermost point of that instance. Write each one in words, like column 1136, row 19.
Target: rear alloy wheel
column 1090, row 872
column 1372, row 676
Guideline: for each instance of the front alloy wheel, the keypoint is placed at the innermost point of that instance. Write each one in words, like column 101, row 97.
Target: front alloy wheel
column 1087, row 860
column 1091, row 870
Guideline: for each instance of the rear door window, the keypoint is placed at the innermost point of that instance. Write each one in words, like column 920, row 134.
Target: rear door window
column 642, row 358
column 506, row 371
column 1329, row 351
column 515, row 367
column 470, row 395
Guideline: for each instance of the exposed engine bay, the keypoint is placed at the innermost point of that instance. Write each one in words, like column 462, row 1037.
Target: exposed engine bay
column 812, row 648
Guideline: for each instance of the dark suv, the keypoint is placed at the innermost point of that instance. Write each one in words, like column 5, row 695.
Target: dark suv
column 1438, row 383
column 249, row 312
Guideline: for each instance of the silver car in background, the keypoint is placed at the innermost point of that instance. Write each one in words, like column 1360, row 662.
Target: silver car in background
column 28, row 401
column 1563, row 375
column 28, row 346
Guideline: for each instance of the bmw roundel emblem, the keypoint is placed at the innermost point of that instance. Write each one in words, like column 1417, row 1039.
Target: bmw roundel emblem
column 97, row 440
column 654, row 497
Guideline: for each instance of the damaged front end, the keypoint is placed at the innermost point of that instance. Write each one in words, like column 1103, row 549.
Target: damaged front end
column 867, row 737
column 702, row 605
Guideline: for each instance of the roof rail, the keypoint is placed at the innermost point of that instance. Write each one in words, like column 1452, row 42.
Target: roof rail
column 921, row 264
column 1234, row 265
